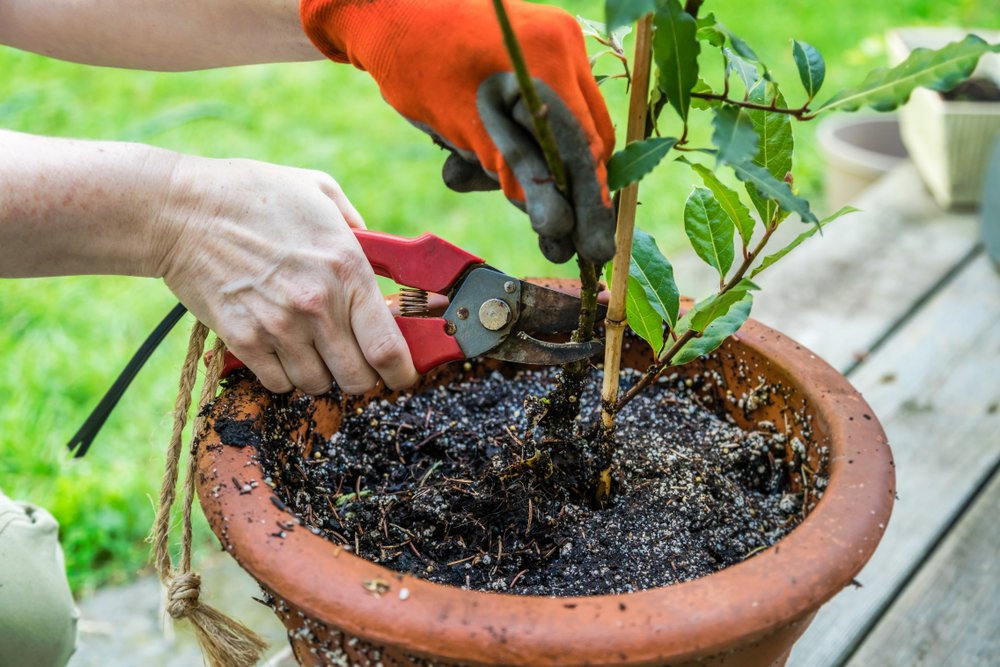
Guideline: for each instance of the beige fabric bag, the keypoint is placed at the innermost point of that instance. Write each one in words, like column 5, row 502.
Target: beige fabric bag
column 37, row 614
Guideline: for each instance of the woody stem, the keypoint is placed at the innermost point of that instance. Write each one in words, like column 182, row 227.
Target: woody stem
column 547, row 142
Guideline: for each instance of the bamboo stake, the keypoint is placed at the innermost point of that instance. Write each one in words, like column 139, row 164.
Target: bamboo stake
column 615, row 320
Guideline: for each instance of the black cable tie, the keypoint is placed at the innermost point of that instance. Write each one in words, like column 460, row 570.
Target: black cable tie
column 85, row 436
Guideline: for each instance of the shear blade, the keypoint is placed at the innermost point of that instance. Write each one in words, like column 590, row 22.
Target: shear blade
column 521, row 348
column 545, row 310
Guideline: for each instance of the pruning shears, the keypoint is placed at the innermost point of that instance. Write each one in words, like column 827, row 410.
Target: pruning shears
column 489, row 314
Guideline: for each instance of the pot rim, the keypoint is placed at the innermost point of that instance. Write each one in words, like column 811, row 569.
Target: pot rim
column 782, row 585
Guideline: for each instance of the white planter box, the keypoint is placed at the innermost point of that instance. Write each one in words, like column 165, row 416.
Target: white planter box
column 949, row 142
column 859, row 150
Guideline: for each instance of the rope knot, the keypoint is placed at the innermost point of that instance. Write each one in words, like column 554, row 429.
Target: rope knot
column 224, row 642
column 182, row 596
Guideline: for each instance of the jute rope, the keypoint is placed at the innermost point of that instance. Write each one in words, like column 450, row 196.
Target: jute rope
column 225, row 642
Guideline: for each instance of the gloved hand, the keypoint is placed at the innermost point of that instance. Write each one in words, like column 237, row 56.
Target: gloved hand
column 442, row 65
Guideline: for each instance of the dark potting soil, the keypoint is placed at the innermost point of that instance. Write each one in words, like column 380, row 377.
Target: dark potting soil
column 440, row 485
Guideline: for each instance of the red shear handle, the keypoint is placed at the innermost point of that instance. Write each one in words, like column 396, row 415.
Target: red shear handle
column 231, row 364
column 430, row 346
column 427, row 262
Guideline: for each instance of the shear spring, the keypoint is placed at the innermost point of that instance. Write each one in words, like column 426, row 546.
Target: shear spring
column 413, row 302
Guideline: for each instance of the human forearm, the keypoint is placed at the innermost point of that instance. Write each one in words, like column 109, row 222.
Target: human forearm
column 262, row 254
column 161, row 35
column 81, row 207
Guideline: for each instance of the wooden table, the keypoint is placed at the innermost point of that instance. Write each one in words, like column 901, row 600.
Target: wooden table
column 902, row 299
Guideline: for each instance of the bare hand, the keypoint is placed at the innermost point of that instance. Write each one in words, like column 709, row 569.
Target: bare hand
column 264, row 255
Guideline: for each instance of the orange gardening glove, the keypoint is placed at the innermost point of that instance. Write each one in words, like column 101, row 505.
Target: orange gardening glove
column 442, row 65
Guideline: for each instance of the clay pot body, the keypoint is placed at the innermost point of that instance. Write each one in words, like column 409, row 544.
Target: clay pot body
column 748, row 615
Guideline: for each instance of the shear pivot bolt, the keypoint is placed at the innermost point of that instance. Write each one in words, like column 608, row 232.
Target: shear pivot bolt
column 509, row 287
column 450, row 328
column 494, row 314
column 463, row 313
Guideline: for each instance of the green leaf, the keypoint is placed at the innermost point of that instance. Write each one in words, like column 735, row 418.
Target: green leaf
column 655, row 94
column 592, row 28
column 886, row 89
column 656, row 276
column 703, row 87
column 642, row 317
column 675, row 51
column 774, row 152
column 734, row 135
column 716, row 332
column 595, row 57
column 746, row 71
column 768, row 187
column 624, row 12
column 709, row 310
column 739, row 45
column 706, row 21
column 728, row 199
column 744, row 51
column 771, row 259
column 713, row 32
column 812, row 69
column 710, row 230
column 709, row 30
column 618, row 38
column 599, row 31
column 632, row 163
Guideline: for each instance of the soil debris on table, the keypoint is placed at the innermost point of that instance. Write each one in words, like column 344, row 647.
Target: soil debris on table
column 451, row 485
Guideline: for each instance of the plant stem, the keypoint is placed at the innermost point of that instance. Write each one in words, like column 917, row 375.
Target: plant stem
column 539, row 112
column 588, row 296
column 615, row 321
column 584, row 333
column 564, row 406
column 801, row 113
column 692, row 7
column 547, row 141
column 664, row 362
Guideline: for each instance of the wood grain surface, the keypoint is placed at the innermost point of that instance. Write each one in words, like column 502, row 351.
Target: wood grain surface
column 950, row 613
column 935, row 386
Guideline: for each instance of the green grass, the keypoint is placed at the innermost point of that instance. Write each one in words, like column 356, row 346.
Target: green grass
column 64, row 340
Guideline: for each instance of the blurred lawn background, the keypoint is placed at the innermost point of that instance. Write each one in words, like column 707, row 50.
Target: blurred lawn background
column 63, row 340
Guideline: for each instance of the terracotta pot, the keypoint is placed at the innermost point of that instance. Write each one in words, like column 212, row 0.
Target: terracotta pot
column 748, row 615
